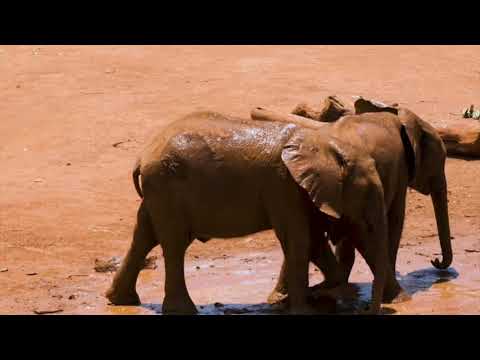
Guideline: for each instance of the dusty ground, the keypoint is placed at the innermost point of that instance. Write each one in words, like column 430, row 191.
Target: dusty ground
column 66, row 191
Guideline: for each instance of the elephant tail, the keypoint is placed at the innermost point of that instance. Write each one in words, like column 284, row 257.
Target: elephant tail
column 136, row 177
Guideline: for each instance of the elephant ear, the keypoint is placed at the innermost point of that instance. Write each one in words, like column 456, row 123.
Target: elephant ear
column 409, row 153
column 413, row 127
column 425, row 142
column 318, row 164
column 363, row 106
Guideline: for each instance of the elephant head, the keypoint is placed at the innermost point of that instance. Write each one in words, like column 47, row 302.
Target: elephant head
column 429, row 175
column 426, row 153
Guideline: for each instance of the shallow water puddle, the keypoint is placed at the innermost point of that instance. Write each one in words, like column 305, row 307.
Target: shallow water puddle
column 240, row 285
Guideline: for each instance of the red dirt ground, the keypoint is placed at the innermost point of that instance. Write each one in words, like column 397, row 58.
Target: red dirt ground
column 66, row 192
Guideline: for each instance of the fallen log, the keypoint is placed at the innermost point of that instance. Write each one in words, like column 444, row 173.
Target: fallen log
column 462, row 138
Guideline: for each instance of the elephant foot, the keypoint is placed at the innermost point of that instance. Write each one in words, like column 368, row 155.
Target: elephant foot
column 401, row 297
column 117, row 297
column 276, row 297
column 396, row 296
column 370, row 310
column 177, row 306
column 281, row 306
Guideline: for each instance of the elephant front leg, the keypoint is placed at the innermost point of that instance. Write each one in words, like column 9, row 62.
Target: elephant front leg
column 122, row 290
column 376, row 249
column 394, row 293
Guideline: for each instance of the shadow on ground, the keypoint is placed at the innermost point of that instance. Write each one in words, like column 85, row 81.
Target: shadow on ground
column 413, row 282
column 424, row 279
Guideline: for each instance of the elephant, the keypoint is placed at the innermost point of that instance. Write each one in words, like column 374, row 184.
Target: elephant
column 408, row 152
column 209, row 175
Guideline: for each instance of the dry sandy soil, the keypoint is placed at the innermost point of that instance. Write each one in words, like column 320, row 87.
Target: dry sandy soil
column 72, row 119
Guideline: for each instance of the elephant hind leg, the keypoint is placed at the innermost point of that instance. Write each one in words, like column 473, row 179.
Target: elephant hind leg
column 280, row 291
column 172, row 234
column 122, row 290
column 177, row 299
column 294, row 237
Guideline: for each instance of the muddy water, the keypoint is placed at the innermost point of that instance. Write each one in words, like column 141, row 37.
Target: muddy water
column 240, row 284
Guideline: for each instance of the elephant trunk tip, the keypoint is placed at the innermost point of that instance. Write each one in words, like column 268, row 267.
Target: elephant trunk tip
column 444, row 264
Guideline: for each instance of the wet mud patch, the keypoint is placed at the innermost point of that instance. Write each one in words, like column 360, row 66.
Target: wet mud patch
column 226, row 309
column 239, row 283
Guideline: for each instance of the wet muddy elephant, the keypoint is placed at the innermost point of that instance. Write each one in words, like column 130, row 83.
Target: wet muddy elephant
column 408, row 152
column 208, row 175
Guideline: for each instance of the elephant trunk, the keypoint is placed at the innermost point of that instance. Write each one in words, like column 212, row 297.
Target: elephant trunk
column 440, row 205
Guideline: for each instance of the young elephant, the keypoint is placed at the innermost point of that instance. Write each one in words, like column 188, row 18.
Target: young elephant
column 407, row 152
column 208, row 175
